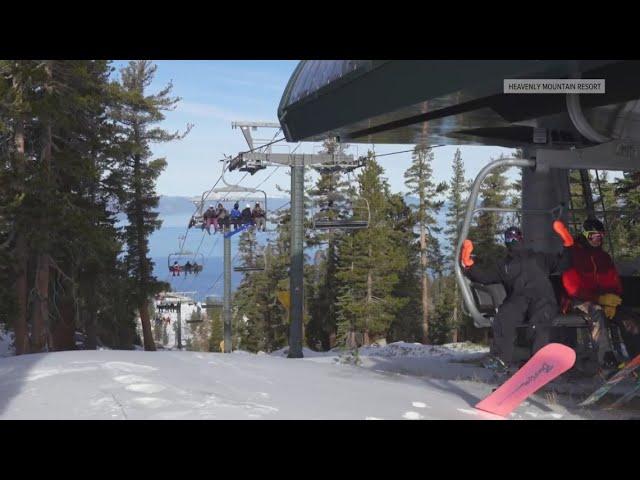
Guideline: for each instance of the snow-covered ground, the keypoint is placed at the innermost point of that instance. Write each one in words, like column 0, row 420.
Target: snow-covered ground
column 397, row 381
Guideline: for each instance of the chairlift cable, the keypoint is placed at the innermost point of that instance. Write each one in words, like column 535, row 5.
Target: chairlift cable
column 221, row 275
column 265, row 145
column 404, row 151
column 204, row 199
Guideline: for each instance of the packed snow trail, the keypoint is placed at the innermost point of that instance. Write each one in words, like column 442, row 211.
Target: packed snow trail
column 112, row 384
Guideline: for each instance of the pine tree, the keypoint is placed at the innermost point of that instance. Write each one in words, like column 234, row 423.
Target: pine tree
column 486, row 232
column 323, row 295
column 407, row 325
column 419, row 180
column 136, row 115
column 55, row 112
column 627, row 233
column 369, row 263
column 457, row 199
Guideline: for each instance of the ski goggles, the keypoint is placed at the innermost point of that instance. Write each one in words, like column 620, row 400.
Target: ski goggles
column 594, row 235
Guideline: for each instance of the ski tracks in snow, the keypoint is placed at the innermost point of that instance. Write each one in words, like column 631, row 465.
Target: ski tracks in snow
column 139, row 394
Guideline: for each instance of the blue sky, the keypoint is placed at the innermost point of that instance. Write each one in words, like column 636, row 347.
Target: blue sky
column 215, row 93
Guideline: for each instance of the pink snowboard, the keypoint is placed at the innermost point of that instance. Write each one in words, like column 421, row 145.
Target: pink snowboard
column 548, row 363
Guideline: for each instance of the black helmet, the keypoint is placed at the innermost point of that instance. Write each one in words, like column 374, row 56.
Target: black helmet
column 593, row 225
column 512, row 234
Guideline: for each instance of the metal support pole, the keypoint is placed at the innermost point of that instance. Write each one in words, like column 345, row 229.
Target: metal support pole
column 226, row 309
column 297, row 260
column 179, row 332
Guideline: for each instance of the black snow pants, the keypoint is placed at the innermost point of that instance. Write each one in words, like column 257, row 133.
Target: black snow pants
column 513, row 313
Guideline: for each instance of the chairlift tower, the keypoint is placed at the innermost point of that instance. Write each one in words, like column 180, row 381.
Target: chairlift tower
column 255, row 160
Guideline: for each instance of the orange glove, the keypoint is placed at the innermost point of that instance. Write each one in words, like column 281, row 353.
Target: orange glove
column 465, row 256
column 561, row 230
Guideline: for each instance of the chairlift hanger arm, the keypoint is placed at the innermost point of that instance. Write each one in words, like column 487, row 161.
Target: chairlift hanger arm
column 463, row 282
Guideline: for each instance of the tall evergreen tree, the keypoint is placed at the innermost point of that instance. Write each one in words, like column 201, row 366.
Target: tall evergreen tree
column 457, row 203
column 407, row 325
column 488, row 227
column 323, row 294
column 369, row 263
column 419, row 180
column 55, row 111
column 137, row 115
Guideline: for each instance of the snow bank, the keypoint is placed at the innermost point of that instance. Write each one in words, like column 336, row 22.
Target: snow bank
column 6, row 343
column 452, row 352
column 449, row 352
column 307, row 352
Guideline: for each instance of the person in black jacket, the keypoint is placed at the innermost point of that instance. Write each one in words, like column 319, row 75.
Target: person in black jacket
column 246, row 216
column 530, row 295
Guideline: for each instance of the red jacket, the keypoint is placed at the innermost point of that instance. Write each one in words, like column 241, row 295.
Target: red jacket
column 592, row 273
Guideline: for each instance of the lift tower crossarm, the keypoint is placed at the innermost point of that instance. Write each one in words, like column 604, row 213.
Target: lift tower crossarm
column 298, row 159
column 246, row 128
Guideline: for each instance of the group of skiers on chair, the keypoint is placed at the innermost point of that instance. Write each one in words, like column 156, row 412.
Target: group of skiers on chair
column 221, row 219
column 590, row 282
column 187, row 268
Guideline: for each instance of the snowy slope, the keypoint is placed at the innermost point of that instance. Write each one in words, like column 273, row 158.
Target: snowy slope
column 113, row 384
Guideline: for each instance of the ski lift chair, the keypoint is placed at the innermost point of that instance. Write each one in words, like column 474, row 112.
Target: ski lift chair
column 334, row 212
column 481, row 301
column 254, row 266
column 182, row 258
column 571, row 328
column 248, row 268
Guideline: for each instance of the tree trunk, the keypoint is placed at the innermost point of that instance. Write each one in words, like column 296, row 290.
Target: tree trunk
column 39, row 332
column 454, row 332
column 147, row 333
column 455, row 313
column 365, row 339
column 90, row 325
column 425, row 285
column 62, row 335
column 143, row 247
column 20, row 324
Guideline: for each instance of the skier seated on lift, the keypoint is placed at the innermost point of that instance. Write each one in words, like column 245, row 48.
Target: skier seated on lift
column 175, row 269
column 235, row 216
column 210, row 218
column 259, row 217
column 327, row 207
column 530, row 295
column 196, row 267
column 223, row 217
column 245, row 216
column 187, row 268
column 330, row 211
column 592, row 285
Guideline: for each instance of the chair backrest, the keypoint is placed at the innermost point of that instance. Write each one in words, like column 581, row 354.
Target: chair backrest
column 488, row 297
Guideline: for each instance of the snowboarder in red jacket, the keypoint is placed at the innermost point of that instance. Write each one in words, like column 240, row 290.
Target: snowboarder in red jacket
column 592, row 285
